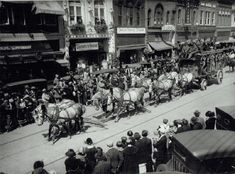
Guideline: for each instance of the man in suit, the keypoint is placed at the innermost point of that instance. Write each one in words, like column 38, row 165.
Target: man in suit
column 115, row 158
column 145, row 150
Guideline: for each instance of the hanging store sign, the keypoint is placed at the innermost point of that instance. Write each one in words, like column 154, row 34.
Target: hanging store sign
column 87, row 46
column 131, row 31
column 168, row 28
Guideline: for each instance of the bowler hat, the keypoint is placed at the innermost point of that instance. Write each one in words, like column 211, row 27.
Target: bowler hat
column 165, row 121
column 110, row 144
column 144, row 133
column 70, row 153
column 89, row 141
column 119, row 144
column 124, row 138
column 196, row 112
column 130, row 133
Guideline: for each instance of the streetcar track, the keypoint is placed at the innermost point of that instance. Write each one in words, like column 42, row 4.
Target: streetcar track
column 146, row 121
column 29, row 135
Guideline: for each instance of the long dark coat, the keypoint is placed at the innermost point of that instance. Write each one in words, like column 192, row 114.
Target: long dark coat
column 115, row 157
column 130, row 165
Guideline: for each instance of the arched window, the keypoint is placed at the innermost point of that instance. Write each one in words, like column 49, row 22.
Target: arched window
column 99, row 11
column 158, row 14
column 149, row 16
column 129, row 14
column 179, row 17
column 167, row 17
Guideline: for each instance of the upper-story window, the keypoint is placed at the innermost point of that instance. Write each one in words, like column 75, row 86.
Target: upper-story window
column 4, row 16
column 149, row 16
column 137, row 18
column 99, row 11
column 129, row 14
column 158, row 14
column 213, row 18
column 75, row 12
column 120, row 15
column 167, row 17
column 179, row 17
column 201, row 17
column 208, row 18
column 205, row 18
column 194, row 20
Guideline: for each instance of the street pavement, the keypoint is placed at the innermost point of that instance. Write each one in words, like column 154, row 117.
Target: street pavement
column 21, row 147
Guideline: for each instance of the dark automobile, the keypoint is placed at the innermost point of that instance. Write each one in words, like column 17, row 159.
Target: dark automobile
column 203, row 152
column 225, row 117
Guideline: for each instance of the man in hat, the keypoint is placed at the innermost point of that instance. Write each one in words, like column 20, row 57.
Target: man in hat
column 130, row 162
column 114, row 157
column 102, row 167
column 160, row 147
column 200, row 119
column 145, row 150
column 71, row 163
column 211, row 121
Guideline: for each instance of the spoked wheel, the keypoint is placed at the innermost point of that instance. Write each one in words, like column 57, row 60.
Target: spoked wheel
column 203, row 84
column 219, row 77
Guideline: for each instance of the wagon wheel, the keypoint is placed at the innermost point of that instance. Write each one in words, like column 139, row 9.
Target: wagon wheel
column 219, row 77
column 203, row 84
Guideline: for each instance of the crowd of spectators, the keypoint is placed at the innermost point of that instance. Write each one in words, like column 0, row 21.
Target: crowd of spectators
column 135, row 150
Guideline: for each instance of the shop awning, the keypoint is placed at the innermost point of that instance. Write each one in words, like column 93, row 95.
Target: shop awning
column 131, row 47
column 160, row 46
column 48, row 7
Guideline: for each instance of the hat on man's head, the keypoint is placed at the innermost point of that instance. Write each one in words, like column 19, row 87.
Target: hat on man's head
column 119, row 144
column 137, row 135
column 123, row 139
column 70, row 153
column 129, row 133
column 110, row 144
column 210, row 114
column 144, row 133
column 89, row 141
column 197, row 112
column 165, row 121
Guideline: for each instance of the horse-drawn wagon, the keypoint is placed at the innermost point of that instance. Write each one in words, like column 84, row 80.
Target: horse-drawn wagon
column 204, row 67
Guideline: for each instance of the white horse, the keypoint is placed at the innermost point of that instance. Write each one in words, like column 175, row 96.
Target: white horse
column 122, row 98
column 60, row 115
column 165, row 84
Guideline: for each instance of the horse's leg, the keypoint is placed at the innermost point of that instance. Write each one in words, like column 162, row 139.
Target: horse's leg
column 69, row 128
column 118, row 112
column 49, row 132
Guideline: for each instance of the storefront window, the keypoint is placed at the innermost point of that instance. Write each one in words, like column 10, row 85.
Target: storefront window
column 50, row 19
column 75, row 12
column 19, row 15
column 4, row 16
column 99, row 11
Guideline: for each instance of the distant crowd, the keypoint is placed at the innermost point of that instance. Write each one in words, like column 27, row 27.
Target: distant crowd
column 133, row 151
